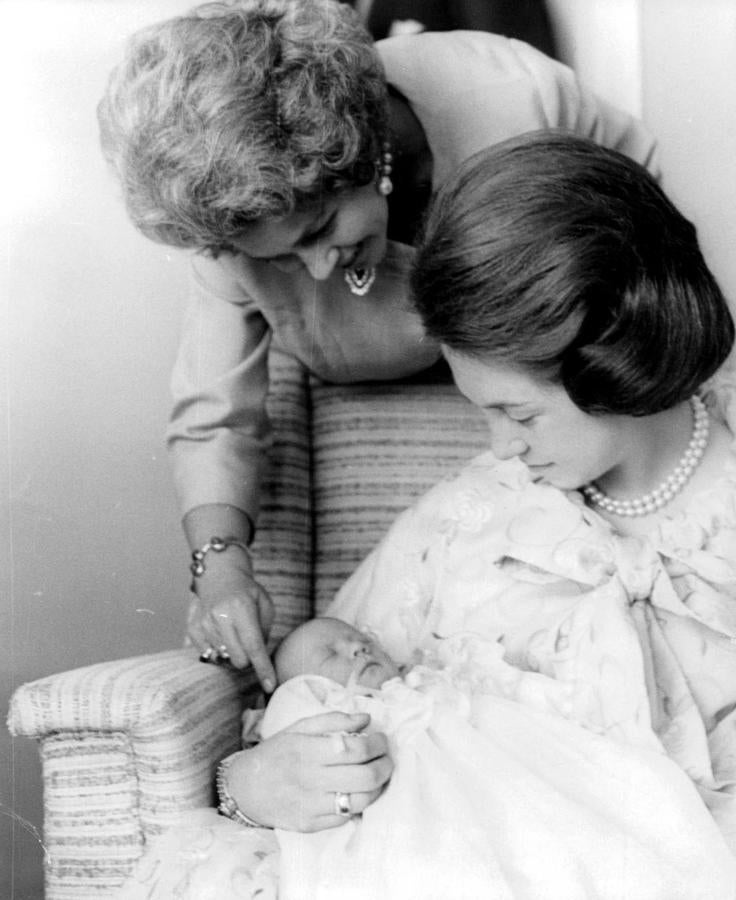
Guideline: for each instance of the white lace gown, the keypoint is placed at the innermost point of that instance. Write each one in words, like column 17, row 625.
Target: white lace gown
column 500, row 799
column 568, row 729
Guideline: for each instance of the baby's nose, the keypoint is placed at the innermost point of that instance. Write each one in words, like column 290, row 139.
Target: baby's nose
column 359, row 648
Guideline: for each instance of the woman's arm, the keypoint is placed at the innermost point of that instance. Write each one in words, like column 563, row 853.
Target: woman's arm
column 289, row 780
column 570, row 105
column 219, row 432
column 232, row 608
column 218, row 437
column 471, row 90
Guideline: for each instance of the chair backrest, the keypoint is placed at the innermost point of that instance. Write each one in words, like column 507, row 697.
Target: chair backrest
column 346, row 460
column 282, row 550
column 376, row 448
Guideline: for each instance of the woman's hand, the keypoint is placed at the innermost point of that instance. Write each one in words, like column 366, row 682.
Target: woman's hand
column 234, row 611
column 290, row 780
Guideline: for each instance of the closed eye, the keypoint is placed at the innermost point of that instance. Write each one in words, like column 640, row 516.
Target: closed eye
column 324, row 229
column 288, row 263
column 521, row 418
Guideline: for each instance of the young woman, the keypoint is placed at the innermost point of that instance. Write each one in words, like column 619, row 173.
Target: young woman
column 297, row 157
column 594, row 545
column 574, row 306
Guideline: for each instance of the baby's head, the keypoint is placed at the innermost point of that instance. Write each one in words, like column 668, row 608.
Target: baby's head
column 333, row 649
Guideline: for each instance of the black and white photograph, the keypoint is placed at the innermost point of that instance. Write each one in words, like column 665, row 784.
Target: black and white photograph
column 368, row 473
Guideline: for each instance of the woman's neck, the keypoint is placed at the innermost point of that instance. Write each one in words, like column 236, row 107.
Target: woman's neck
column 658, row 444
column 412, row 170
column 655, row 445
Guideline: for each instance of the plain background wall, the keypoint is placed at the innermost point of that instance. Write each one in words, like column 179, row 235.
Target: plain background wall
column 689, row 99
column 673, row 63
column 93, row 565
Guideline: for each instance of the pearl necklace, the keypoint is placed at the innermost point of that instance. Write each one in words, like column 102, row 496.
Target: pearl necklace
column 360, row 280
column 672, row 485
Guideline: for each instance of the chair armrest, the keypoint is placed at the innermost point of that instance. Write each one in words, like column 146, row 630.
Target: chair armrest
column 126, row 746
column 134, row 694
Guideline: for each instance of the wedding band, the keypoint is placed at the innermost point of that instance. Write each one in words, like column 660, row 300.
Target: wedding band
column 342, row 804
column 207, row 654
column 337, row 739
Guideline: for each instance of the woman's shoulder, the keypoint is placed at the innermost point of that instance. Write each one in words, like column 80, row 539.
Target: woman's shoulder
column 220, row 277
column 409, row 56
column 497, row 503
column 472, row 89
column 719, row 395
column 698, row 540
column 483, row 482
column 719, row 490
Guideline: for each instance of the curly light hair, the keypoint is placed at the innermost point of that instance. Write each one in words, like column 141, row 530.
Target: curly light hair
column 239, row 112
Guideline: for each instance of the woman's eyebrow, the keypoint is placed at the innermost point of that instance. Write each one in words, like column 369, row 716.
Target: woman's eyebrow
column 314, row 227
column 295, row 239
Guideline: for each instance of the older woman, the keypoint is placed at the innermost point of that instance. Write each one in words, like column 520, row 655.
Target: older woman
column 268, row 135
column 297, row 158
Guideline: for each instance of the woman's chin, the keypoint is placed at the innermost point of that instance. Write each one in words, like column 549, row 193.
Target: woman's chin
column 548, row 476
column 374, row 250
column 542, row 475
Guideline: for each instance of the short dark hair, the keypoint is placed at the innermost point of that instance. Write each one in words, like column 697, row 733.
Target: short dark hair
column 567, row 259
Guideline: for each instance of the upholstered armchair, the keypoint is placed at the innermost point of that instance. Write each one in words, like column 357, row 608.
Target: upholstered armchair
column 128, row 745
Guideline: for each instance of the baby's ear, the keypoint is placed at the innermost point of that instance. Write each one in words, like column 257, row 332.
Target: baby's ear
column 250, row 733
column 274, row 657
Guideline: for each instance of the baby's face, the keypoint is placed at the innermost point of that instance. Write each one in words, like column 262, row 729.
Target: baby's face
column 335, row 650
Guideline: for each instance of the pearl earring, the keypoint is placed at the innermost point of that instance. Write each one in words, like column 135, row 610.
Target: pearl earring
column 385, row 185
column 359, row 279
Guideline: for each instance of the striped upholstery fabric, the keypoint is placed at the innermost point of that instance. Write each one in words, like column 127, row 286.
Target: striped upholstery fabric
column 127, row 745
column 376, row 447
column 282, row 550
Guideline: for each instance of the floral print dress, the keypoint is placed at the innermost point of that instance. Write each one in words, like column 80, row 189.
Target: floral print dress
column 515, row 594
column 613, row 632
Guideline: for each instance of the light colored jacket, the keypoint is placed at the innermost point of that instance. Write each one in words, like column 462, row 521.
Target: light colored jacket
column 469, row 90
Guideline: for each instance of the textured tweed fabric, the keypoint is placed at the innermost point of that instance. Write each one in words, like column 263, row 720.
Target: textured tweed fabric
column 377, row 447
column 126, row 746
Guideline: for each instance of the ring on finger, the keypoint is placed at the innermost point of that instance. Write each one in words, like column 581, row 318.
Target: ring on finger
column 339, row 744
column 222, row 652
column 207, row 654
column 342, row 804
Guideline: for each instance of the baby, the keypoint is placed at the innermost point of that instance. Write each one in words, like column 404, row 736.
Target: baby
column 333, row 649
column 490, row 796
column 494, row 794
